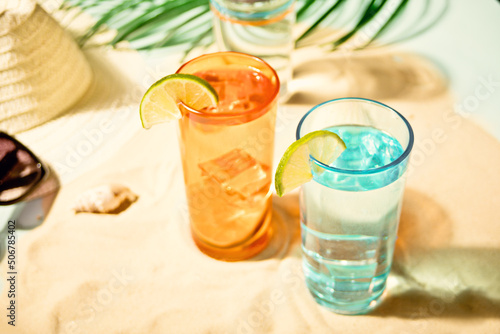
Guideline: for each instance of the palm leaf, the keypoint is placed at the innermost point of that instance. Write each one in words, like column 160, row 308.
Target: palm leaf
column 180, row 28
column 106, row 18
column 388, row 22
column 161, row 13
column 150, row 24
column 372, row 9
column 318, row 21
column 305, row 6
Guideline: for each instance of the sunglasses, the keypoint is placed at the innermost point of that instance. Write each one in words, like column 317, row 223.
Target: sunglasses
column 21, row 172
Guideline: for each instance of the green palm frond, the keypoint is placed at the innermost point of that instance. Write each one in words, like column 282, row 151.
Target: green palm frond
column 316, row 23
column 150, row 24
column 105, row 19
column 372, row 9
column 387, row 22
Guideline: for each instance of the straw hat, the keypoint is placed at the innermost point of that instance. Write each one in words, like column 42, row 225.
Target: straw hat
column 72, row 108
column 42, row 70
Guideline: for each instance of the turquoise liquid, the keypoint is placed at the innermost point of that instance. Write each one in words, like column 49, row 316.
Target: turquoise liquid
column 349, row 221
column 367, row 148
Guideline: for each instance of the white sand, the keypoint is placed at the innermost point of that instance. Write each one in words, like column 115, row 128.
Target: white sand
column 139, row 272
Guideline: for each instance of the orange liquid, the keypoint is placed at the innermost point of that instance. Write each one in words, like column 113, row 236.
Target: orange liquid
column 239, row 91
column 227, row 154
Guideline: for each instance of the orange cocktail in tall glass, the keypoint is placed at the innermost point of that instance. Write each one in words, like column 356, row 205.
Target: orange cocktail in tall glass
column 227, row 155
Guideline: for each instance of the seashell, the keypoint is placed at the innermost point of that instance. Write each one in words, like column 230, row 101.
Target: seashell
column 111, row 198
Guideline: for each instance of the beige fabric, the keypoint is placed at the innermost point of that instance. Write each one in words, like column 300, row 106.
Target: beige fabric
column 140, row 272
column 42, row 70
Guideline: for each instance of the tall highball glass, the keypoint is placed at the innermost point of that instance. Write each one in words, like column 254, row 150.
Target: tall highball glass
column 227, row 155
column 350, row 210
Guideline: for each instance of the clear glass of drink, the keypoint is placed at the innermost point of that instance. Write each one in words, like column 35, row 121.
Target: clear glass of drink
column 227, row 155
column 258, row 27
column 350, row 210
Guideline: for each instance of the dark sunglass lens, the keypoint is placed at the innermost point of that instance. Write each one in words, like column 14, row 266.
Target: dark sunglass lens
column 19, row 171
column 8, row 156
column 6, row 145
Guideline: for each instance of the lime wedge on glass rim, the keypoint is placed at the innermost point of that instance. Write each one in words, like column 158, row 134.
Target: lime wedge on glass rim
column 294, row 168
column 159, row 103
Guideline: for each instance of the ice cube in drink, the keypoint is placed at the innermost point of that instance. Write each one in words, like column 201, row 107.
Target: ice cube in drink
column 229, row 198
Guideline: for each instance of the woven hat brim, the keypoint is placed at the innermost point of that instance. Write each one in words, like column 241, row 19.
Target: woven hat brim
column 42, row 70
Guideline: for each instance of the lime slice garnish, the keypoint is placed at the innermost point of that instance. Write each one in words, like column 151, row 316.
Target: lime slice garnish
column 294, row 168
column 159, row 103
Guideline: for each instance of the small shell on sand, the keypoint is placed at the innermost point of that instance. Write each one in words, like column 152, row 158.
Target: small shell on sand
column 110, row 198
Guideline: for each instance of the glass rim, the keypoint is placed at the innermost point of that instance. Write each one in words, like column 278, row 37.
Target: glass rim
column 251, row 17
column 394, row 163
column 255, row 111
